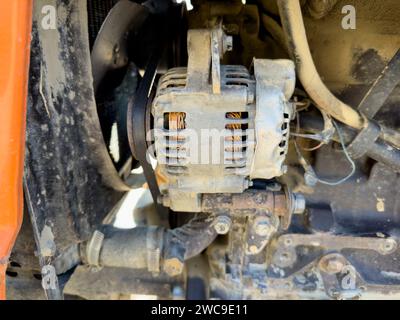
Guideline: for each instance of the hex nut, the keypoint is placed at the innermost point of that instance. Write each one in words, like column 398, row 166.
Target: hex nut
column 222, row 224
column 331, row 264
column 173, row 267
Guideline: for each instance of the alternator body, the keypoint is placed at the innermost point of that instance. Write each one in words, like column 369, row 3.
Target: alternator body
column 217, row 127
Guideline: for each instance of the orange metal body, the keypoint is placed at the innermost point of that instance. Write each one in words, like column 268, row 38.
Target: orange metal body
column 15, row 30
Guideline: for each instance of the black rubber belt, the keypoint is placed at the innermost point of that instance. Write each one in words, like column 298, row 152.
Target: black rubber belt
column 137, row 110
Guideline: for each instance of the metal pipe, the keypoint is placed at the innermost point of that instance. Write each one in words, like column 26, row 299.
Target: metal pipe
column 150, row 247
column 293, row 25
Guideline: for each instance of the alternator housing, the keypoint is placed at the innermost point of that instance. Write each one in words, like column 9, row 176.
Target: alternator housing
column 217, row 126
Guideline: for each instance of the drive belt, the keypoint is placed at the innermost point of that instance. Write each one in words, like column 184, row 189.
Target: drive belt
column 137, row 129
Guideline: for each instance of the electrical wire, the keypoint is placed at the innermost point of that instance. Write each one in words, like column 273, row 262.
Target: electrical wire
column 311, row 172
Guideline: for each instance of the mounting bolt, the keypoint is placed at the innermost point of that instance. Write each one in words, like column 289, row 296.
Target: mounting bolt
column 263, row 227
column 222, row 224
column 253, row 249
column 173, row 267
column 332, row 264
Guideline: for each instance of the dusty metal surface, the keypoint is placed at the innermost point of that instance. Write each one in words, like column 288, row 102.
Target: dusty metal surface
column 233, row 127
column 345, row 246
column 68, row 171
column 178, row 151
column 121, row 284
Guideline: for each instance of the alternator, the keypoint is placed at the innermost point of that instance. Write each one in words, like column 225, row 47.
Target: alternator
column 217, row 127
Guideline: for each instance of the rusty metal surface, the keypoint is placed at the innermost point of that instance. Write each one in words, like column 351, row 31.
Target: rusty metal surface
column 337, row 242
column 251, row 200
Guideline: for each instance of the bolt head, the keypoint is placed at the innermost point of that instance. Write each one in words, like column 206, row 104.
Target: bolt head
column 263, row 228
column 253, row 249
column 222, row 224
column 331, row 264
column 173, row 267
column 334, row 266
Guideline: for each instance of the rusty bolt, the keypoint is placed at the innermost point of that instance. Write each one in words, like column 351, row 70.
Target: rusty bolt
column 173, row 267
column 253, row 249
column 331, row 264
column 222, row 224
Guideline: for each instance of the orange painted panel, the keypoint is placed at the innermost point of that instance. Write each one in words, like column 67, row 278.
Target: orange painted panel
column 15, row 30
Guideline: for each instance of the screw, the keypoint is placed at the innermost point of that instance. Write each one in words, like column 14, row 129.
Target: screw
column 222, row 224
